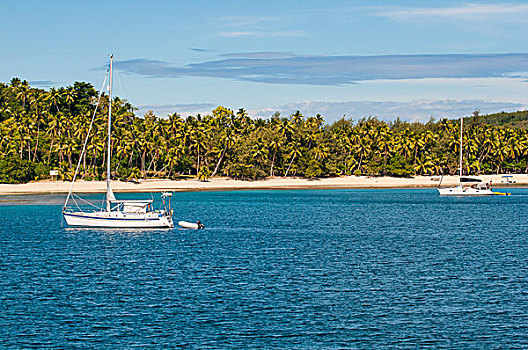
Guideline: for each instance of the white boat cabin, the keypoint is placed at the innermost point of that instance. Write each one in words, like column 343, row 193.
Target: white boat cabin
column 133, row 206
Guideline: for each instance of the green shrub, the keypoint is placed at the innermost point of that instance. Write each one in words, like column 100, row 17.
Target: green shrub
column 399, row 167
column 125, row 173
column 204, row 173
column 245, row 172
column 66, row 173
column 41, row 171
column 313, row 170
column 14, row 170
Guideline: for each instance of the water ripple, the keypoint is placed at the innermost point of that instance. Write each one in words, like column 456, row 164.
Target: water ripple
column 273, row 269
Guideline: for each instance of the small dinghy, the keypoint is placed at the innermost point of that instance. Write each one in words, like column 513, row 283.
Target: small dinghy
column 191, row 225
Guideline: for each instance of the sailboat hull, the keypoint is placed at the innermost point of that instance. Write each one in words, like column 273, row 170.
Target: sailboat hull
column 460, row 191
column 118, row 219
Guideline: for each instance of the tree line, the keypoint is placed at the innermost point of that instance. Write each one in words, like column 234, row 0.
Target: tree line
column 45, row 129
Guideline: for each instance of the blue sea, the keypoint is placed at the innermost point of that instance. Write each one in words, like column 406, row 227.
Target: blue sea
column 302, row 269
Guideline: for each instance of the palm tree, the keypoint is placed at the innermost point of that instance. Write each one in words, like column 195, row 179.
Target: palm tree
column 53, row 98
column 227, row 140
column 274, row 145
column 294, row 153
column 23, row 92
column 259, row 151
column 297, row 118
column 68, row 95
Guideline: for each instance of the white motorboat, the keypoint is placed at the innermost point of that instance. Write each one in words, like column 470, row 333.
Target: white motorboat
column 469, row 186
column 116, row 213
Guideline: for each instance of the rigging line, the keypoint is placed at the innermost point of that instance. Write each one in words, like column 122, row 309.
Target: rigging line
column 86, row 141
column 84, row 200
column 129, row 121
column 117, row 75
column 75, row 202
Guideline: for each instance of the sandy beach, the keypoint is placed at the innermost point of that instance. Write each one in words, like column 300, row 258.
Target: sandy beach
column 230, row 184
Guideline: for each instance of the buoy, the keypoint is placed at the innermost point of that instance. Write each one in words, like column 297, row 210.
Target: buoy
column 191, row 225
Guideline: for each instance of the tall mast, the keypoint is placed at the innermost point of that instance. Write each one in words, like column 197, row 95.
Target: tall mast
column 108, row 162
column 461, row 132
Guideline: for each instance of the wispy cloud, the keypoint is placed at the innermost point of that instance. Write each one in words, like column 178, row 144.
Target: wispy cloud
column 250, row 21
column 261, row 34
column 236, row 34
column 338, row 70
column 466, row 11
column 183, row 109
column 42, row 83
column 263, row 54
column 196, row 49
column 421, row 110
column 416, row 110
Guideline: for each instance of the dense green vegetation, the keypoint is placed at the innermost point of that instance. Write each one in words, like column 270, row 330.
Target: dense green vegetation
column 503, row 119
column 42, row 130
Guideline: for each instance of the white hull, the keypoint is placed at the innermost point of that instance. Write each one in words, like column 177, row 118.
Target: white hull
column 116, row 219
column 189, row 225
column 465, row 191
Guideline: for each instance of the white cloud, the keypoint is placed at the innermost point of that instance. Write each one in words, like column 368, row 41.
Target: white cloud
column 416, row 110
column 182, row 109
column 468, row 11
column 245, row 21
column 262, row 34
column 236, row 34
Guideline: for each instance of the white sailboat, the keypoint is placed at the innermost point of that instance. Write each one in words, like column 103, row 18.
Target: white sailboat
column 116, row 213
column 469, row 186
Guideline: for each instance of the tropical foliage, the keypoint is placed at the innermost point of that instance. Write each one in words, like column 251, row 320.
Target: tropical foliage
column 42, row 130
column 511, row 120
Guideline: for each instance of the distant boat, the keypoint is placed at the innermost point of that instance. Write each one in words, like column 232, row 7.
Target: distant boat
column 469, row 186
column 507, row 180
column 116, row 213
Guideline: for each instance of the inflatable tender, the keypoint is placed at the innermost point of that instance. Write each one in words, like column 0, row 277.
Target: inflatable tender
column 191, row 225
column 502, row 193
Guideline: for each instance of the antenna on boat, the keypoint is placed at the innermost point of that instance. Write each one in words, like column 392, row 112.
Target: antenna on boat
column 109, row 194
column 461, row 131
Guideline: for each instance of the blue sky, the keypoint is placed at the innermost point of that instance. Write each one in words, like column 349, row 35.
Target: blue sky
column 412, row 59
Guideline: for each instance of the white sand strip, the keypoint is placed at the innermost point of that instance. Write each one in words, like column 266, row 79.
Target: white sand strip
column 229, row 184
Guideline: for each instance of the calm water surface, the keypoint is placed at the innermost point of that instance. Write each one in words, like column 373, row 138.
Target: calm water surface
column 273, row 269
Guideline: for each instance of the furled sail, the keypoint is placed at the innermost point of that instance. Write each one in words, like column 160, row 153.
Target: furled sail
column 110, row 194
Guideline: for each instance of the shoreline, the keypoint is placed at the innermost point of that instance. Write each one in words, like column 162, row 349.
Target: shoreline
column 226, row 184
